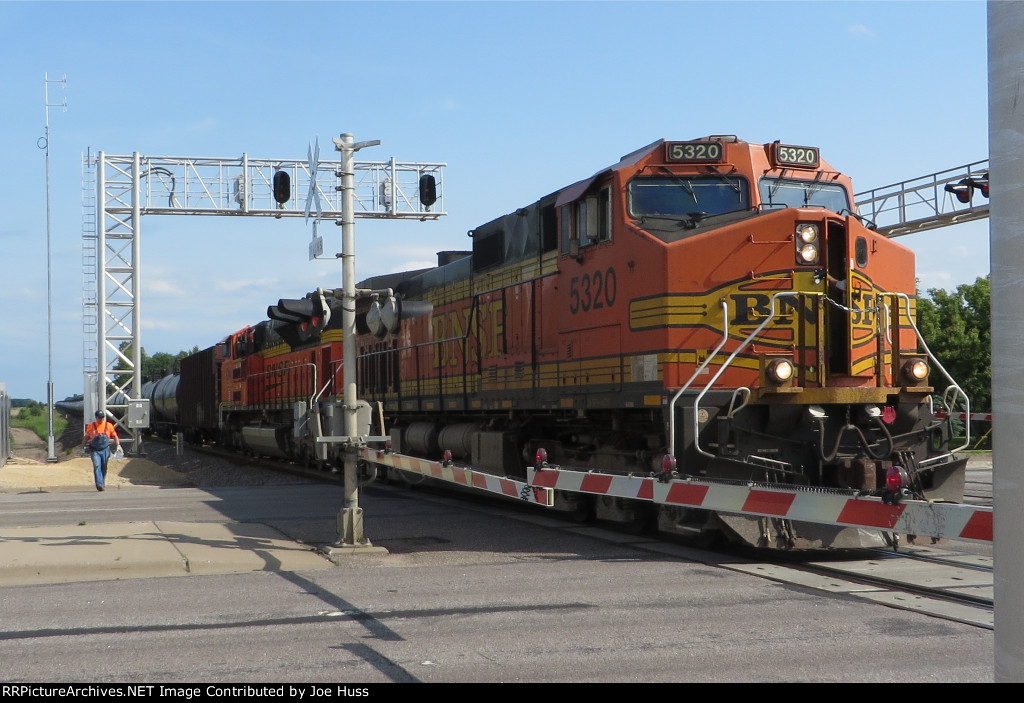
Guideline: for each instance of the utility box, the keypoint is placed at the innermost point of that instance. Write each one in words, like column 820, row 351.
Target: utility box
column 138, row 414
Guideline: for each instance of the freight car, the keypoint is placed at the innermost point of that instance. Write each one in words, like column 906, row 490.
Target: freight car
column 709, row 308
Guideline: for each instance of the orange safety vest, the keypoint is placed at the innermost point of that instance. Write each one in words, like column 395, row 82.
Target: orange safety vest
column 101, row 427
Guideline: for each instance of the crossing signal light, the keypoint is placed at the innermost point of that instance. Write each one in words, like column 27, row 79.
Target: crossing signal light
column 980, row 182
column 282, row 187
column 302, row 318
column 385, row 317
column 963, row 190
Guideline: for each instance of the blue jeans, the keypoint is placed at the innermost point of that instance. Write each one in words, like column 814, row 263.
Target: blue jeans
column 99, row 464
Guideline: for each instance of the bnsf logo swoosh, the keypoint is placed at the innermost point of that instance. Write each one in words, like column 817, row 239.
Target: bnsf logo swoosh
column 750, row 303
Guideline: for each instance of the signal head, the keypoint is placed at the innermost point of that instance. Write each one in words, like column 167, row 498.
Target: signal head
column 980, row 182
column 428, row 190
column 282, row 187
column 964, row 190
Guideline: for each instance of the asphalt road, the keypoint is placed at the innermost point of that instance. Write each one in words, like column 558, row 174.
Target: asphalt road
column 463, row 595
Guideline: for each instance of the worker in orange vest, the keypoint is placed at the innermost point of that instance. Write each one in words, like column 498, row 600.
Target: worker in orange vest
column 98, row 436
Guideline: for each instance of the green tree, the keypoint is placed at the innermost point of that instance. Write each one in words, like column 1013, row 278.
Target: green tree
column 957, row 327
column 153, row 367
column 158, row 365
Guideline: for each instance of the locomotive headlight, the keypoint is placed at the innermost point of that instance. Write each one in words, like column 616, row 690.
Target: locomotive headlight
column 915, row 371
column 807, row 244
column 779, row 370
column 807, row 232
column 808, row 253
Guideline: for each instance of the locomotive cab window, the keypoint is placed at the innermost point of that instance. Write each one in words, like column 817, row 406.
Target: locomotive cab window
column 586, row 221
column 687, row 198
column 784, row 192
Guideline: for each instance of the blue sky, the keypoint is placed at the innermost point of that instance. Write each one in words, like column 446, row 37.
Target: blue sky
column 518, row 98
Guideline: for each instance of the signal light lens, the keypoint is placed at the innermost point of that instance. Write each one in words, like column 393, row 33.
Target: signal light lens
column 668, row 464
column 896, row 479
column 779, row 370
column 541, row 457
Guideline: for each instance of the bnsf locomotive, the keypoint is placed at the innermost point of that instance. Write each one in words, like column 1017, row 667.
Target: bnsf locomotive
column 710, row 308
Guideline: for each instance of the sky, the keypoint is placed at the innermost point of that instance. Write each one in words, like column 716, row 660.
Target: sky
column 518, row 99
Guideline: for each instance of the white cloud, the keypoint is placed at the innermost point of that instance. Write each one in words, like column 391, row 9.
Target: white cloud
column 164, row 287
column 242, row 284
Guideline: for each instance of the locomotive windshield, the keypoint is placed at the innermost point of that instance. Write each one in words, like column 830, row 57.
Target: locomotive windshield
column 687, row 197
column 781, row 192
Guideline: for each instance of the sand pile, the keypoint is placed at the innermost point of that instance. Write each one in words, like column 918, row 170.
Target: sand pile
column 21, row 473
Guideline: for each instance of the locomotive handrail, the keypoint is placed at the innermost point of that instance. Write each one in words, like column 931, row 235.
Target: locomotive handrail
column 728, row 362
column 462, row 340
column 672, row 403
column 949, row 395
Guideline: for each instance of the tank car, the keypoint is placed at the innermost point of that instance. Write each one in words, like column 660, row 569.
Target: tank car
column 709, row 308
column 162, row 394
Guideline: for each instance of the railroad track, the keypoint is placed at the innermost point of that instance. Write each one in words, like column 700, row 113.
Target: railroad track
column 950, row 580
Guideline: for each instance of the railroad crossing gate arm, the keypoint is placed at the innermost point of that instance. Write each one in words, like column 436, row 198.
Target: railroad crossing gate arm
column 462, row 476
column 912, row 517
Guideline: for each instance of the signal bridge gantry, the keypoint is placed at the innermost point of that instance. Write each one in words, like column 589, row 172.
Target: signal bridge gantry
column 941, row 199
column 170, row 185
column 119, row 190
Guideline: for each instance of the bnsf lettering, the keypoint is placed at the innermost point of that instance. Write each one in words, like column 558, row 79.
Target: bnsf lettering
column 450, row 332
column 593, row 291
column 863, row 310
column 754, row 308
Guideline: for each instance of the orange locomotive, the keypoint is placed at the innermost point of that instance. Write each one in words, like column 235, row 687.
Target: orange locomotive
column 709, row 308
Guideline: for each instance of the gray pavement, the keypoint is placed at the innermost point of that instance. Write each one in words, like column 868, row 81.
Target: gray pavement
column 122, row 550
column 95, row 551
column 464, row 593
column 82, row 545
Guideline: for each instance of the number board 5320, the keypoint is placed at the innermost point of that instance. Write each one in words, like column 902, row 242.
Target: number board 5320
column 700, row 152
column 798, row 156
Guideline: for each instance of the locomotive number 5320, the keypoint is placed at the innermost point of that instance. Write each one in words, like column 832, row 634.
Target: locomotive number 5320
column 592, row 291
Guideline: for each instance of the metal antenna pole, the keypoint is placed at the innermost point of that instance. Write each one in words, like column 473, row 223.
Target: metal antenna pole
column 44, row 144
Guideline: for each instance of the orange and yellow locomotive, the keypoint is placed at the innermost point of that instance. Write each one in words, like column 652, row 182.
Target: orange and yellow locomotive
column 712, row 308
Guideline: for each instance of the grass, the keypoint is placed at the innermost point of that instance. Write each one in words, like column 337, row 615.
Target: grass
column 34, row 418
